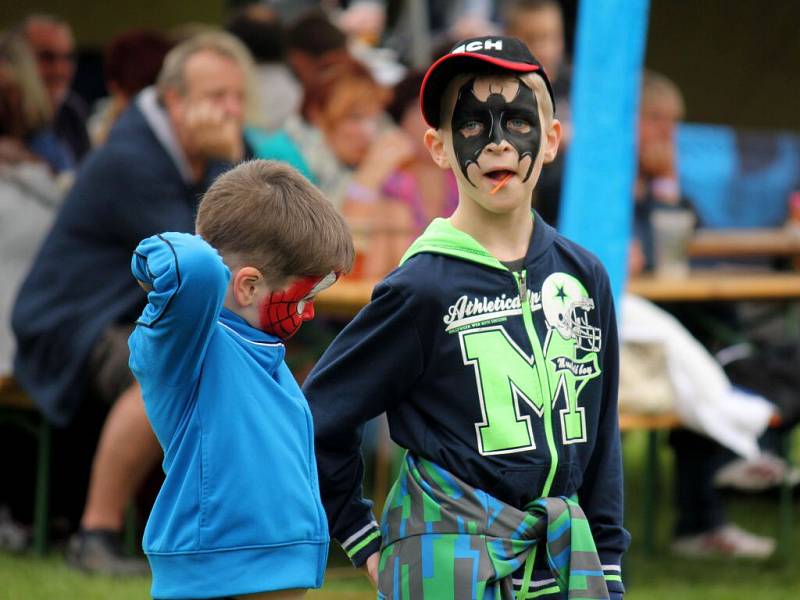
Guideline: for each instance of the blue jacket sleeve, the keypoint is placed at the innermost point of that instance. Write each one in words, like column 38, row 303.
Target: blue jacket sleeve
column 601, row 494
column 368, row 368
column 188, row 281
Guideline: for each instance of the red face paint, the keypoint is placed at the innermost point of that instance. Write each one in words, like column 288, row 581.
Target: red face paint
column 283, row 311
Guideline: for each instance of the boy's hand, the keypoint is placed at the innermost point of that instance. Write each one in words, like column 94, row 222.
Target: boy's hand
column 371, row 567
column 145, row 286
column 213, row 134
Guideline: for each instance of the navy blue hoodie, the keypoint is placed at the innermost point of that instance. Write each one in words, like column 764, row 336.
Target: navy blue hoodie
column 507, row 380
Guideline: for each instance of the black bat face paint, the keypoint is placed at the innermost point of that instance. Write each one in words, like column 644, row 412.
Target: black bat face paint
column 477, row 123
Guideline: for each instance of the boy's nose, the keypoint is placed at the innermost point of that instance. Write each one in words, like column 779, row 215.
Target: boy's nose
column 498, row 147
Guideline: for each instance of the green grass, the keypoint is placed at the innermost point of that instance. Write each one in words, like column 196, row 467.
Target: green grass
column 659, row 577
column 30, row 578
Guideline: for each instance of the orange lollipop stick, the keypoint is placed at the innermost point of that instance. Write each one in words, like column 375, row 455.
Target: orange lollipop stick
column 501, row 183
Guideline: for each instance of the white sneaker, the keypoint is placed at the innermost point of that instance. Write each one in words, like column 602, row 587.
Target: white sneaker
column 756, row 475
column 726, row 541
column 13, row 536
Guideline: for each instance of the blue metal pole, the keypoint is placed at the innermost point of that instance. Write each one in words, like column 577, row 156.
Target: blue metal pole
column 597, row 197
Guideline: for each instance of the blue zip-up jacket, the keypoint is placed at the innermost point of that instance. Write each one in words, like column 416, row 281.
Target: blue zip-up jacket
column 507, row 380
column 239, row 511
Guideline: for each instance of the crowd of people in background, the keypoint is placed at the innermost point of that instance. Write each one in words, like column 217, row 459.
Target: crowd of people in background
column 313, row 89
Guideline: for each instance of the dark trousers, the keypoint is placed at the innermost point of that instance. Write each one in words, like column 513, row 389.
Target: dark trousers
column 699, row 504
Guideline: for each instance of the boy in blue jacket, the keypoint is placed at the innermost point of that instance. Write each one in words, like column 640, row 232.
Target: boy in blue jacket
column 239, row 511
column 493, row 351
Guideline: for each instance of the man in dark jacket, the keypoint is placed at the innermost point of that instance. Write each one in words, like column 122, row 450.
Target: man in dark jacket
column 76, row 308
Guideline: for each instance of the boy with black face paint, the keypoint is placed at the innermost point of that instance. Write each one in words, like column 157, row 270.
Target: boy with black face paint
column 493, row 351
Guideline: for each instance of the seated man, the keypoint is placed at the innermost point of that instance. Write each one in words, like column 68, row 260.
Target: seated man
column 77, row 306
column 702, row 527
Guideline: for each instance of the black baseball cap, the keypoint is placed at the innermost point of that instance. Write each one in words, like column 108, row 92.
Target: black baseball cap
column 504, row 52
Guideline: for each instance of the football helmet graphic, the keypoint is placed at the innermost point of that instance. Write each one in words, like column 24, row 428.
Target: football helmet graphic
column 566, row 306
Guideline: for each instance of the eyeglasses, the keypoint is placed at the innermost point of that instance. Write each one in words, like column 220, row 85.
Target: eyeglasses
column 49, row 56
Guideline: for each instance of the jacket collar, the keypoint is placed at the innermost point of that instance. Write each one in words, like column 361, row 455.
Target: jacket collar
column 441, row 237
column 158, row 121
column 243, row 329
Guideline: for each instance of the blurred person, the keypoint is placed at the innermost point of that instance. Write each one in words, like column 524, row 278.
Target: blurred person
column 279, row 91
column 702, row 527
column 51, row 41
column 78, row 304
column 540, row 25
column 313, row 42
column 425, row 190
column 132, row 62
column 345, row 145
column 29, row 190
column 416, row 31
column 656, row 186
column 29, row 197
column 364, row 20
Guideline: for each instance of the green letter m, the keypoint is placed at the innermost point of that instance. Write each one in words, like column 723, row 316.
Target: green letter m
column 504, row 375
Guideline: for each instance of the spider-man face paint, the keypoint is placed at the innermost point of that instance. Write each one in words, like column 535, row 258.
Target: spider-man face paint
column 284, row 311
column 489, row 116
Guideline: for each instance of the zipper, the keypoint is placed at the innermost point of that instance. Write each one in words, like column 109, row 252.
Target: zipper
column 523, row 286
column 540, row 371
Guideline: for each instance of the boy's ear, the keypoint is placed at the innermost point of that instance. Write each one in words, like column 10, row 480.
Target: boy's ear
column 434, row 142
column 246, row 284
column 552, row 139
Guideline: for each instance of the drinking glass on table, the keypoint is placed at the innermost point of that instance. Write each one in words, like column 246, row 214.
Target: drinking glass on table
column 672, row 231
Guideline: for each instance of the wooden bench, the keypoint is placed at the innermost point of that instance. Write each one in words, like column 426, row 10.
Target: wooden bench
column 17, row 408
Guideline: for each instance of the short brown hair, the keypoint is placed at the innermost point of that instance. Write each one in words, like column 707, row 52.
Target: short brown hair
column 274, row 219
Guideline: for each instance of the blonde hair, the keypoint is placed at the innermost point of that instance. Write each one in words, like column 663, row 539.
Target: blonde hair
column 37, row 110
column 532, row 80
column 173, row 72
column 267, row 215
column 543, row 99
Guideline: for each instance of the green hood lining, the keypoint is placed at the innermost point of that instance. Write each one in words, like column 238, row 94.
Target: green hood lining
column 441, row 237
